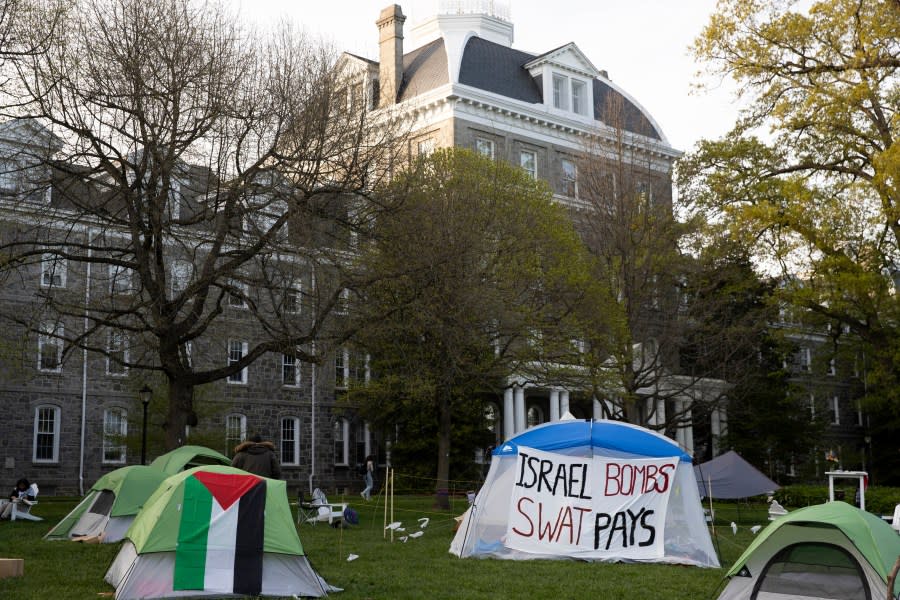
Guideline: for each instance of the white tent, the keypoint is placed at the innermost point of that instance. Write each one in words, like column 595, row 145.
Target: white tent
column 591, row 490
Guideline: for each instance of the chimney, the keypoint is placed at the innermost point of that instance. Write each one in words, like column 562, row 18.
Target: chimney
column 390, row 50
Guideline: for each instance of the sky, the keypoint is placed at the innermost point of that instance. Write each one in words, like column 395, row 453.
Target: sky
column 642, row 44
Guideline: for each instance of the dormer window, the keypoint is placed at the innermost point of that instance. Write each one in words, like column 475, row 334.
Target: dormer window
column 579, row 97
column 569, row 94
column 560, row 92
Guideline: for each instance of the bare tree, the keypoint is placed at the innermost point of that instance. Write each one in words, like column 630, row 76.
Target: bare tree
column 189, row 182
column 630, row 227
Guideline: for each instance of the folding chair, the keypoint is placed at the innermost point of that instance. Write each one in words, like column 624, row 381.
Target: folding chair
column 319, row 509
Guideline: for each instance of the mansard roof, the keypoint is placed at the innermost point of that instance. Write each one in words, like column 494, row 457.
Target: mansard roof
column 502, row 70
column 424, row 69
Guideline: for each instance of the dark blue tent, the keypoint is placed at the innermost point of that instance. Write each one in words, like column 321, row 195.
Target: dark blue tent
column 730, row 476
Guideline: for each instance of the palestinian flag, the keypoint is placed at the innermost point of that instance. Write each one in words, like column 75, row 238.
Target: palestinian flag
column 220, row 537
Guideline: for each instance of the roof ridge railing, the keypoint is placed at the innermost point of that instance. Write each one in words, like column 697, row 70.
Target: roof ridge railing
column 493, row 8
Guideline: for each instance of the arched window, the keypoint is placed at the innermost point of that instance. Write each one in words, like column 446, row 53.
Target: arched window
column 535, row 416
column 46, row 434
column 290, row 441
column 115, row 432
column 492, row 419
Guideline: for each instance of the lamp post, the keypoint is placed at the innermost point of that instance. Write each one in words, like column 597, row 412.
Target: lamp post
column 146, row 393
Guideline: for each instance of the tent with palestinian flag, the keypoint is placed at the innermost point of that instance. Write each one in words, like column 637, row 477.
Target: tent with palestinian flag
column 214, row 531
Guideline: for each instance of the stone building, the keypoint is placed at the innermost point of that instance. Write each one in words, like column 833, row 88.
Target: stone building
column 459, row 82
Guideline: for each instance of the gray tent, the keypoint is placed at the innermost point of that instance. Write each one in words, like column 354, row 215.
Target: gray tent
column 730, row 476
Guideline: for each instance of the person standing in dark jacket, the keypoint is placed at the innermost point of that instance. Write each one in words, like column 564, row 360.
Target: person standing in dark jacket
column 257, row 457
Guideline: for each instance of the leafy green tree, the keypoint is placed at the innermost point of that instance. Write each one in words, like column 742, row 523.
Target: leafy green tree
column 732, row 310
column 808, row 178
column 482, row 278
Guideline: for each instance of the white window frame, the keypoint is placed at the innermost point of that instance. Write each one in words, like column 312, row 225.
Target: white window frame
column 240, row 377
column 342, row 306
column 51, row 334
column 53, row 267
column 342, row 425
column 294, row 444
column 538, row 412
column 10, row 176
column 805, row 359
column 116, row 342
column 341, row 368
column 569, row 177
column 40, row 429
column 365, row 433
column 237, row 300
column 235, row 431
column 121, row 279
column 175, row 198
column 180, row 274
column 484, row 147
column 115, row 432
column 836, row 410
column 285, row 379
column 579, row 97
column 560, row 88
column 528, row 162
column 292, row 290
column 425, row 147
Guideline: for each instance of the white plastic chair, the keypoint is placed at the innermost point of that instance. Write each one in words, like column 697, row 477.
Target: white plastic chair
column 21, row 510
column 319, row 509
column 895, row 522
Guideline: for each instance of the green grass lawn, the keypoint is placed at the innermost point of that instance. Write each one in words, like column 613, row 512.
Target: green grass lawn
column 419, row 568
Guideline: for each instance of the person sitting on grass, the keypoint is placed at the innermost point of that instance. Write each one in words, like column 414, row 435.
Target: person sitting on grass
column 22, row 491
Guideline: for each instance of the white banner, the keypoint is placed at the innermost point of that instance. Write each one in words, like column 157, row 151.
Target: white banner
column 589, row 507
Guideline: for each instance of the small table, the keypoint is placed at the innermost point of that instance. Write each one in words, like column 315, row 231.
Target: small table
column 861, row 476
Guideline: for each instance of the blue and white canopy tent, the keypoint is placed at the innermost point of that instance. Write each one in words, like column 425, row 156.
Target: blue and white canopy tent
column 589, row 490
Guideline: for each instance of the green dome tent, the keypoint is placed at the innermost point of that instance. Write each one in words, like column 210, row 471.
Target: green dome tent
column 833, row 551
column 110, row 506
column 187, row 457
column 214, row 531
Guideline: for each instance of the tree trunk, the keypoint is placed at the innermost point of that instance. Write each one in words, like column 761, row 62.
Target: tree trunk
column 180, row 414
column 442, row 485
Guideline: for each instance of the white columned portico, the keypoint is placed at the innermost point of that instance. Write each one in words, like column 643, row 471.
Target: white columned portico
column 554, row 405
column 508, row 422
column 519, row 397
column 597, row 409
column 563, row 402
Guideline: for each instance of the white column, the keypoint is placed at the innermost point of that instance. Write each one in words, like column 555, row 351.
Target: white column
column 679, row 431
column 723, row 420
column 563, row 402
column 597, row 409
column 610, row 408
column 715, row 431
column 660, row 412
column 689, row 431
column 508, row 422
column 519, row 396
column 554, row 405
